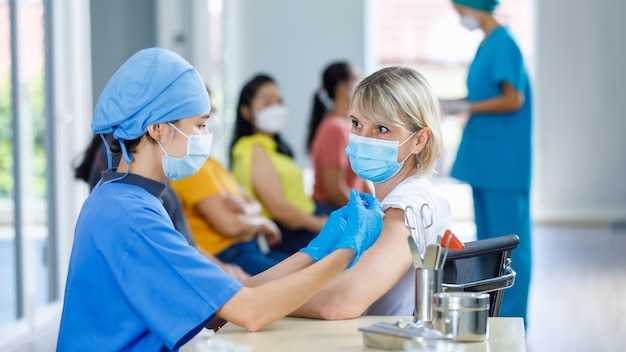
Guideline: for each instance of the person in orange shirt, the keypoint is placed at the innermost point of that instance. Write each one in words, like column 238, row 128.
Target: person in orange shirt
column 224, row 219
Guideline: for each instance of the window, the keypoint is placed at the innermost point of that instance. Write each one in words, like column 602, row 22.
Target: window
column 427, row 36
column 221, row 144
column 26, row 265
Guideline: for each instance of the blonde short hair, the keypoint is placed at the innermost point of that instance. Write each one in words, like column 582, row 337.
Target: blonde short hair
column 401, row 97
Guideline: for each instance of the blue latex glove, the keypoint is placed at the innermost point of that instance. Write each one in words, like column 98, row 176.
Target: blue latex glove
column 326, row 241
column 364, row 224
column 370, row 202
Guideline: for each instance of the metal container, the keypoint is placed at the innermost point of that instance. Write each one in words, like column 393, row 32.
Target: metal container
column 462, row 316
column 427, row 284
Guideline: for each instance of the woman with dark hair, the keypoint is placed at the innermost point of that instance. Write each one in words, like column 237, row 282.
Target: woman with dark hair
column 224, row 219
column 329, row 132
column 263, row 164
column 244, row 127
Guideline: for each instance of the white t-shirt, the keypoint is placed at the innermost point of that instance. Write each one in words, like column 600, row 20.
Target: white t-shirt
column 414, row 192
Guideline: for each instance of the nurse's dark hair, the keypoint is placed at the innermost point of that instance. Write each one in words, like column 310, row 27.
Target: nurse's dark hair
column 333, row 74
column 83, row 169
column 243, row 127
column 131, row 145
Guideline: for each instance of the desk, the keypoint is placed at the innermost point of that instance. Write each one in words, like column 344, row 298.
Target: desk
column 297, row 334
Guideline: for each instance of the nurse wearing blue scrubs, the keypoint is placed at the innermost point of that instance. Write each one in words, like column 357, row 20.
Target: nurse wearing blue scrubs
column 133, row 282
column 494, row 156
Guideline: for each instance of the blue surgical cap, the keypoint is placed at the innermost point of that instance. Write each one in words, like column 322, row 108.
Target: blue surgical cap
column 154, row 85
column 482, row 5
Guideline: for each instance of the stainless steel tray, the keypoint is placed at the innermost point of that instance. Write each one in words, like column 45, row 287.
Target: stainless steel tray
column 388, row 336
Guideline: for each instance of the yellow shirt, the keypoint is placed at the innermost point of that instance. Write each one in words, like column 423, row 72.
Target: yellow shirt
column 209, row 181
column 289, row 172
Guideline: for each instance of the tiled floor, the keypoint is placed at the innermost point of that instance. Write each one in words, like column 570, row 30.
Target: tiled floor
column 578, row 293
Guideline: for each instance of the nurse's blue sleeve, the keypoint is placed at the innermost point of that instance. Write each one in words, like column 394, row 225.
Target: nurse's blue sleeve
column 172, row 287
column 509, row 63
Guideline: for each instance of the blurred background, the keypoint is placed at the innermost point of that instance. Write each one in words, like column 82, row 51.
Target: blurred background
column 56, row 57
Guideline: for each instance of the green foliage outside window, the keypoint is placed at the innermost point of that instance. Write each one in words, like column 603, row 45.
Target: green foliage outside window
column 6, row 135
column 37, row 102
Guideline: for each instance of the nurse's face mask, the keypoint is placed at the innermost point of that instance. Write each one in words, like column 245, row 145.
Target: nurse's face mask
column 198, row 151
column 469, row 22
column 374, row 159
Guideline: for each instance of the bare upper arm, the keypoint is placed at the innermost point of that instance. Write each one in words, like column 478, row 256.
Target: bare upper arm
column 266, row 182
column 334, row 184
column 219, row 216
column 380, row 268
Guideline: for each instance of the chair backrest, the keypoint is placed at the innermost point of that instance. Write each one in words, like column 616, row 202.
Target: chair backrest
column 482, row 266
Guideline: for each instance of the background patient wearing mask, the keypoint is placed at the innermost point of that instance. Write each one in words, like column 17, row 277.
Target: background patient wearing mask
column 228, row 232
column 328, row 135
column 263, row 163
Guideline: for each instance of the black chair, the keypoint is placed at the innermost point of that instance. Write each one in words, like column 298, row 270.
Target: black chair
column 482, row 266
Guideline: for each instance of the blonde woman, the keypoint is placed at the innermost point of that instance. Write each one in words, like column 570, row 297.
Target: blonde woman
column 395, row 142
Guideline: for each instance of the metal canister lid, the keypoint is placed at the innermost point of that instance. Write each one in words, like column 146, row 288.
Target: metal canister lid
column 461, row 300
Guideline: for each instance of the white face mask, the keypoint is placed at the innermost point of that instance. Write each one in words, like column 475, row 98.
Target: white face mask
column 469, row 22
column 271, row 119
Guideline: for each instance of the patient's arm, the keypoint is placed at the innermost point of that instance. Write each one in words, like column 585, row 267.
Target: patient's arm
column 379, row 269
column 256, row 307
column 266, row 183
column 224, row 215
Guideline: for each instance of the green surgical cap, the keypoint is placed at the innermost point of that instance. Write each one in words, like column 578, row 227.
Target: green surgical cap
column 153, row 86
column 482, row 5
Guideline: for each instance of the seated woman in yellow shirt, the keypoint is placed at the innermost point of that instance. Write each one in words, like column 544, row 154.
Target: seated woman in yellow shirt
column 224, row 220
column 263, row 164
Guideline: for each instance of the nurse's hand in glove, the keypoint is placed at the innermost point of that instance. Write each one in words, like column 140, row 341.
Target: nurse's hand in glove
column 337, row 225
column 327, row 239
column 364, row 224
column 454, row 107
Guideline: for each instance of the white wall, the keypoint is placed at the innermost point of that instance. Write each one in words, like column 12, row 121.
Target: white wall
column 119, row 28
column 579, row 77
column 580, row 89
column 183, row 28
column 292, row 41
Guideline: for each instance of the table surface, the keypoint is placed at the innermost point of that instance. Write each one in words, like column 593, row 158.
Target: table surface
column 298, row 334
